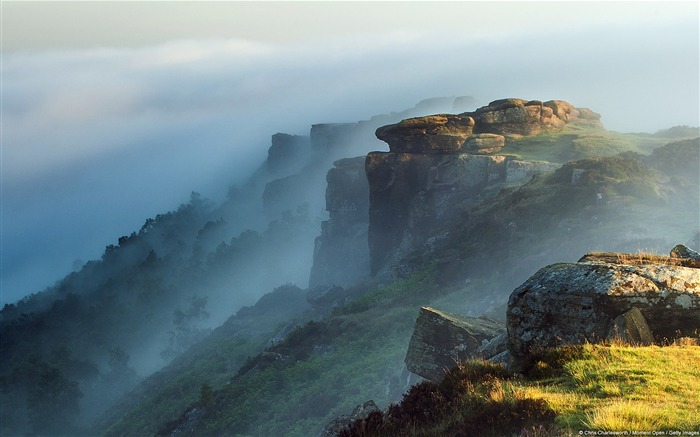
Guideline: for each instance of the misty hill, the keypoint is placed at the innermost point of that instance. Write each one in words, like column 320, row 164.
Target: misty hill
column 159, row 290
column 348, row 249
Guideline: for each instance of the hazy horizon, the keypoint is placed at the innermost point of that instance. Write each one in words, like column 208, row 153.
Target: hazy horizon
column 100, row 133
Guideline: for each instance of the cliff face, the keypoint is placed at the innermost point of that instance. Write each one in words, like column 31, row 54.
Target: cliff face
column 298, row 164
column 341, row 254
column 438, row 167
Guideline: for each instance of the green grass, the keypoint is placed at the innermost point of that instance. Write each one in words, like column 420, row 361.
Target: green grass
column 623, row 387
column 566, row 391
column 576, row 142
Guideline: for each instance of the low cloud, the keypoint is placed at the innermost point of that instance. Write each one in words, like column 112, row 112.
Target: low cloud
column 96, row 141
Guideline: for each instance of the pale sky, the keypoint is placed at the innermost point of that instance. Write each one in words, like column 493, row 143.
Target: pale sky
column 88, row 24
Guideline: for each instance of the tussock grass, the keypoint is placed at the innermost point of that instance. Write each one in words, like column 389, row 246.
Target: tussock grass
column 605, row 387
column 621, row 387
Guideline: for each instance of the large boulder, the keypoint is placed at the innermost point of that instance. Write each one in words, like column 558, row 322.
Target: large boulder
column 632, row 328
column 442, row 340
column 518, row 117
column 688, row 256
column 571, row 303
column 442, row 133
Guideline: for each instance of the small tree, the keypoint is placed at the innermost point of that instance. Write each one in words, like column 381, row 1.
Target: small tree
column 186, row 331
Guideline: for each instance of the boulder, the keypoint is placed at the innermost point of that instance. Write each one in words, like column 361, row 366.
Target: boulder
column 442, row 133
column 484, row 144
column 442, row 340
column 518, row 117
column 362, row 411
column 688, row 256
column 631, row 327
column 571, row 303
column 563, row 110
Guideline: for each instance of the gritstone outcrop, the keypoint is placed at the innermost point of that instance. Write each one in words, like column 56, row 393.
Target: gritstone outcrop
column 442, row 340
column 438, row 166
column 341, row 254
column 572, row 303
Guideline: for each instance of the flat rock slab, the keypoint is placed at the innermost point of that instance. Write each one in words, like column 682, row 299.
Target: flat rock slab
column 442, row 340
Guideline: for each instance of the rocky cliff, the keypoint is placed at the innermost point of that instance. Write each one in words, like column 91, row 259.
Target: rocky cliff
column 439, row 166
column 341, row 254
column 298, row 164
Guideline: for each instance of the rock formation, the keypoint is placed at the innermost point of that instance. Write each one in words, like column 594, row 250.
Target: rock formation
column 287, row 153
column 523, row 118
column 442, row 133
column 441, row 340
column 688, row 256
column 632, row 328
column 341, row 253
column 571, row 303
column 438, row 166
column 412, row 194
column 361, row 411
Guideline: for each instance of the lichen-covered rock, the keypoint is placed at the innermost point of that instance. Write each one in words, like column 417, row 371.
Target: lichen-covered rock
column 484, row 144
column 570, row 303
column 442, row 133
column 441, row 340
column 632, row 328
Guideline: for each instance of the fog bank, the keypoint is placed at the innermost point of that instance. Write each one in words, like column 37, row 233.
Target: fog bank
column 94, row 141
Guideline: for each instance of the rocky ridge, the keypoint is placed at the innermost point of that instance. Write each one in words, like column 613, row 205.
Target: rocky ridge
column 438, row 166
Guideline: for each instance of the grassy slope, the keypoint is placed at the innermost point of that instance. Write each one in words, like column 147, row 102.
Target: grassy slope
column 577, row 142
column 626, row 388
column 571, row 389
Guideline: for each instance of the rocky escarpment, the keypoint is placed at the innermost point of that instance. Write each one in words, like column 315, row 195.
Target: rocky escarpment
column 341, row 254
column 439, row 166
column 571, row 303
column 299, row 164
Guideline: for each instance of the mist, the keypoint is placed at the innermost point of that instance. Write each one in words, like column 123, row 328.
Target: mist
column 97, row 140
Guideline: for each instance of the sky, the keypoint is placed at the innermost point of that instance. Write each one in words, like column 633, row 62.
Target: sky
column 113, row 112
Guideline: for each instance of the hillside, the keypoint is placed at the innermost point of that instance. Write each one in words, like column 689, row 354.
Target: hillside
column 596, row 388
column 261, row 316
